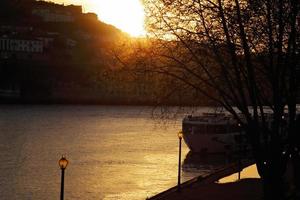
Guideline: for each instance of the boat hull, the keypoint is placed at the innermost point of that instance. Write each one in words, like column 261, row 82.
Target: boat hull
column 211, row 143
column 213, row 133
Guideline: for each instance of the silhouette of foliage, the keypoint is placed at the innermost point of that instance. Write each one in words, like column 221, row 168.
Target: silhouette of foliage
column 244, row 55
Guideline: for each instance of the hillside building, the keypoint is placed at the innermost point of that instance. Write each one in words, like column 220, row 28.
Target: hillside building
column 51, row 12
column 20, row 48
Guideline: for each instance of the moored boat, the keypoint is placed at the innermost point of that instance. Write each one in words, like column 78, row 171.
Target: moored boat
column 212, row 133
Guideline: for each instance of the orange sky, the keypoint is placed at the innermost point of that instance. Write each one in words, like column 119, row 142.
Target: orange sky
column 128, row 15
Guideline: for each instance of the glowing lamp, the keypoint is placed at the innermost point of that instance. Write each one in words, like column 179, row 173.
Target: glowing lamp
column 63, row 162
column 180, row 134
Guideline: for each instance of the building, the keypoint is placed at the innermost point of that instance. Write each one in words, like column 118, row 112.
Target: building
column 21, row 45
column 51, row 12
column 20, row 48
column 90, row 16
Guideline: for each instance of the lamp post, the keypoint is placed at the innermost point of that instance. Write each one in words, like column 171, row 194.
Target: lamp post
column 239, row 146
column 180, row 134
column 63, row 162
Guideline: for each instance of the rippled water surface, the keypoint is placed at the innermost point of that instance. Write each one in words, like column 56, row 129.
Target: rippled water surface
column 115, row 152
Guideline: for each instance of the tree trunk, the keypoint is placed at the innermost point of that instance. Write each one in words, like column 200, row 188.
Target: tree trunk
column 272, row 178
column 295, row 140
column 296, row 167
column 273, row 187
column 271, row 166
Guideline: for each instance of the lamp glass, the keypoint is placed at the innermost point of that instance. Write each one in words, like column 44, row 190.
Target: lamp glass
column 180, row 134
column 63, row 162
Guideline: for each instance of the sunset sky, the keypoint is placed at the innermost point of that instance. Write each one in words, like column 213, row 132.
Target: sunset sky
column 127, row 15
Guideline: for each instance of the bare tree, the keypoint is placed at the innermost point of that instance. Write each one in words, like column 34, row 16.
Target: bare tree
column 244, row 55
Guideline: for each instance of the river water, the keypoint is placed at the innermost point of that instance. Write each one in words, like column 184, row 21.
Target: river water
column 115, row 152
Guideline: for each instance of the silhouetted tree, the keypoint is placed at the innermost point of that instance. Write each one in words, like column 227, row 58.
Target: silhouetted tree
column 244, row 55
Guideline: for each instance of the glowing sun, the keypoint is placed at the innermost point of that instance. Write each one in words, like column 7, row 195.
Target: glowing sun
column 127, row 15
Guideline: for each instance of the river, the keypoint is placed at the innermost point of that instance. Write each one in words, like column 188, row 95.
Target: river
column 115, row 152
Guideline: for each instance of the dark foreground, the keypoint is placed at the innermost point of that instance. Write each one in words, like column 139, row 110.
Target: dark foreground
column 245, row 189
column 207, row 188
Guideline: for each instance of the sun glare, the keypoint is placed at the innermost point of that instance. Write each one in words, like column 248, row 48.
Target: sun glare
column 127, row 15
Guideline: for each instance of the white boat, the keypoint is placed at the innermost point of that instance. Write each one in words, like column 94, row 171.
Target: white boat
column 212, row 133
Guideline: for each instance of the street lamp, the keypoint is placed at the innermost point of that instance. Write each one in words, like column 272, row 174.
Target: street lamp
column 240, row 153
column 180, row 134
column 63, row 162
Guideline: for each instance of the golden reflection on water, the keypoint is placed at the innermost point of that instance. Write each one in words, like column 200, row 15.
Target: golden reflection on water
column 248, row 172
column 115, row 152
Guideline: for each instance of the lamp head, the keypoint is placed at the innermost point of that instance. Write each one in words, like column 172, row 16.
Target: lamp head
column 63, row 162
column 180, row 134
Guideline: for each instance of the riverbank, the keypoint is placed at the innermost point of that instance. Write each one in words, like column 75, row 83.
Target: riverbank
column 208, row 188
